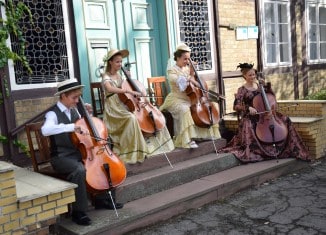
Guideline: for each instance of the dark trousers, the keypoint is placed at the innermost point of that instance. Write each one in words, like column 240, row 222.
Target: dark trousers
column 73, row 166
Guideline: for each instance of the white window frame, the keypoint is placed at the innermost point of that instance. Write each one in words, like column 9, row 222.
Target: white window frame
column 317, row 4
column 210, row 20
column 278, row 43
column 15, row 86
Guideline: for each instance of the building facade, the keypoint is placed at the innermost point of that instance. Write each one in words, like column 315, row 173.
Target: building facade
column 285, row 40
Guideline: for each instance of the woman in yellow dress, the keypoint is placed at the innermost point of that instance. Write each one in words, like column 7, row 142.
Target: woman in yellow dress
column 178, row 103
column 129, row 142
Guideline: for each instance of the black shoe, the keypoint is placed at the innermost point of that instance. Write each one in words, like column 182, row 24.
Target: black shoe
column 106, row 204
column 80, row 218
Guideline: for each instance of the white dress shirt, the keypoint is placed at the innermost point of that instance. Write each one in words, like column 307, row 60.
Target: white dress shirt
column 51, row 125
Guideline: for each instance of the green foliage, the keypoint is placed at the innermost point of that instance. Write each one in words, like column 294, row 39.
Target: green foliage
column 320, row 95
column 3, row 139
column 6, row 87
column 10, row 25
column 17, row 143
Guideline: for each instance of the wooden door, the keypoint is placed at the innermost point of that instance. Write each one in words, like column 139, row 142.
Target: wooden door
column 125, row 24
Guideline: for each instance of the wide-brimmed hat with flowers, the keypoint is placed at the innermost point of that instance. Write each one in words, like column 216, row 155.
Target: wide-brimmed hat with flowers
column 183, row 47
column 113, row 52
column 67, row 85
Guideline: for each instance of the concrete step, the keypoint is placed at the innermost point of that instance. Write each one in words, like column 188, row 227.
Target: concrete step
column 175, row 156
column 156, row 180
column 165, row 204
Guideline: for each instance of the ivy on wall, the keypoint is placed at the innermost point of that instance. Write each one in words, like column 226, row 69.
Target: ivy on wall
column 9, row 25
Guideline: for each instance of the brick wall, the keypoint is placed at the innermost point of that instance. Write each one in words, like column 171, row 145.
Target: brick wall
column 9, row 220
column 27, row 109
column 231, row 86
column 28, row 213
column 313, row 133
column 239, row 13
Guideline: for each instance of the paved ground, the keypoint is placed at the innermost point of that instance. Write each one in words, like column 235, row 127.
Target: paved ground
column 294, row 204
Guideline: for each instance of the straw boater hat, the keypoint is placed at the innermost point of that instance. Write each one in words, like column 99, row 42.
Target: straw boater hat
column 112, row 52
column 68, row 85
column 183, row 47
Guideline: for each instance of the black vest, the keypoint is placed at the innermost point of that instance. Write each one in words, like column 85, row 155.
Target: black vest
column 61, row 144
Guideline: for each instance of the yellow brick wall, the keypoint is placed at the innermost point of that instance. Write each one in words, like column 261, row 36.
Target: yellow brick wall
column 313, row 135
column 302, row 108
column 239, row 13
column 8, row 199
column 24, row 216
column 231, row 86
column 27, row 109
column 317, row 80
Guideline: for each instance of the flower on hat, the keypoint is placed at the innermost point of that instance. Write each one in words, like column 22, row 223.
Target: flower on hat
column 67, row 85
column 113, row 52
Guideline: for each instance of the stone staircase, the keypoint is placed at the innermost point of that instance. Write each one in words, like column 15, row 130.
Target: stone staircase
column 155, row 190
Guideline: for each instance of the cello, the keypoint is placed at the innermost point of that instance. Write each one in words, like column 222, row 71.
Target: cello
column 203, row 112
column 104, row 170
column 269, row 128
column 150, row 118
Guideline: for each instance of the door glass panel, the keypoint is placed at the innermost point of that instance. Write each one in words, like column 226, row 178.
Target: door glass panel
column 313, row 51
column 322, row 30
column 323, row 50
column 271, row 53
column 270, row 33
column 269, row 13
column 283, row 33
column 322, row 15
column 282, row 13
column 312, row 33
column 312, row 15
column 284, row 53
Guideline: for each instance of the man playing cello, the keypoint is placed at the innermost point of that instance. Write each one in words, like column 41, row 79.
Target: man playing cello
column 65, row 157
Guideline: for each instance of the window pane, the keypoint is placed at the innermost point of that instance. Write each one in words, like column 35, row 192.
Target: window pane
column 282, row 13
column 312, row 15
column 283, row 34
column 313, row 51
column 270, row 33
column 194, row 26
column 322, row 30
column 284, row 53
column 46, row 44
column 271, row 53
column 322, row 15
column 322, row 50
column 269, row 13
column 312, row 33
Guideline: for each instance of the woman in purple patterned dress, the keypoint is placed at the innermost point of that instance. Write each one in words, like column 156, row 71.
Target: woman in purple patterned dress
column 245, row 145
